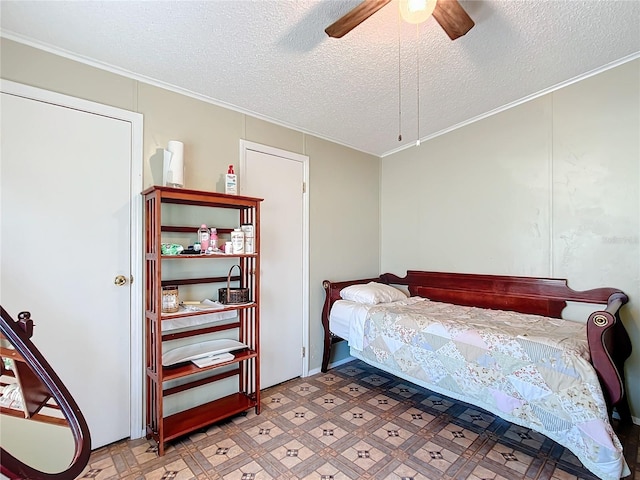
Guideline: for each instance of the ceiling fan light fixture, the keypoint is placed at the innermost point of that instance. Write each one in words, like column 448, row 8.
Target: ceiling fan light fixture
column 416, row 11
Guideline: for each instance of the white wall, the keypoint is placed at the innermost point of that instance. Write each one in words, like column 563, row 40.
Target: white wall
column 338, row 176
column 43, row 446
column 547, row 188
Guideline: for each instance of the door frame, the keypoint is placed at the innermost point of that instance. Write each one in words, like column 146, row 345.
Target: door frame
column 246, row 146
column 135, row 188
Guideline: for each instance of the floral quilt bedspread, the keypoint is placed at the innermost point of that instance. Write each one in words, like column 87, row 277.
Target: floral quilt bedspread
column 530, row 370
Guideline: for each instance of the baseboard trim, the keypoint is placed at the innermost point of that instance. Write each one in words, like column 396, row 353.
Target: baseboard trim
column 332, row 365
column 634, row 420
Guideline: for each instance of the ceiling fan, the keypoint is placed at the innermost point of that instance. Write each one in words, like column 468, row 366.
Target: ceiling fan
column 448, row 13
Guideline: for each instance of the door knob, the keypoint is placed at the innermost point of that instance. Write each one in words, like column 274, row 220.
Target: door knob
column 120, row 280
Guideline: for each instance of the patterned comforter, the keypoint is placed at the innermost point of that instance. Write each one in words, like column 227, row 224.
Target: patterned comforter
column 530, row 370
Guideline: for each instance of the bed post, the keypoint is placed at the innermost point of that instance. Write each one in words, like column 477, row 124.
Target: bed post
column 610, row 346
column 326, row 353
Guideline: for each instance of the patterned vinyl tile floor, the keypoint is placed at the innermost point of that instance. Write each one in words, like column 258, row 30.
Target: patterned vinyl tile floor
column 354, row 422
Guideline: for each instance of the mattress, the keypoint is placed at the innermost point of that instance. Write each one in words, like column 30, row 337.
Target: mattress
column 346, row 319
column 343, row 315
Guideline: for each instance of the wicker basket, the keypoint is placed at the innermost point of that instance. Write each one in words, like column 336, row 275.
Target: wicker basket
column 231, row 296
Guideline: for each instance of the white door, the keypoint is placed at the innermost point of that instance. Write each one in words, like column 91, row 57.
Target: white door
column 64, row 237
column 278, row 177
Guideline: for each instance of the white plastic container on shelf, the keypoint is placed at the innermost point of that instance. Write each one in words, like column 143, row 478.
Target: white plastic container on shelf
column 237, row 241
column 249, row 237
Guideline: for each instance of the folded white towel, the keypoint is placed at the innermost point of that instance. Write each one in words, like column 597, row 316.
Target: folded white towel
column 11, row 396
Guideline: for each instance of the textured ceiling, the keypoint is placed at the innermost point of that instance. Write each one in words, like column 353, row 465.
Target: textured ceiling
column 272, row 59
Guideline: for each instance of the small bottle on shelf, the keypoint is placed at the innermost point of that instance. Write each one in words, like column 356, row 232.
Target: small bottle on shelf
column 213, row 240
column 203, row 238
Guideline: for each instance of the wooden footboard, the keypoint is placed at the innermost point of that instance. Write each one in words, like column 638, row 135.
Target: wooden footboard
column 609, row 342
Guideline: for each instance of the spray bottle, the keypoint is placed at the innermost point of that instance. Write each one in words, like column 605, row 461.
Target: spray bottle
column 203, row 238
column 231, row 182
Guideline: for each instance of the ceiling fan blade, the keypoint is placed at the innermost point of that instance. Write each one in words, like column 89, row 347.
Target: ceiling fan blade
column 452, row 18
column 355, row 17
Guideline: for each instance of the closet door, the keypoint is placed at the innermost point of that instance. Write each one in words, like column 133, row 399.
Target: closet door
column 278, row 177
column 64, row 238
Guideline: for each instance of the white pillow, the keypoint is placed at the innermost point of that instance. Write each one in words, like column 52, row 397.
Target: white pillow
column 372, row 293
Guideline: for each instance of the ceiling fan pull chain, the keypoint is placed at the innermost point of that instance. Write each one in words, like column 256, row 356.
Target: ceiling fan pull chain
column 399, row 85
column 418, row 78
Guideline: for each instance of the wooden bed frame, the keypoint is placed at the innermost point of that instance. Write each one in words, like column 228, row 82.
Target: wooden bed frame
column 609, row 342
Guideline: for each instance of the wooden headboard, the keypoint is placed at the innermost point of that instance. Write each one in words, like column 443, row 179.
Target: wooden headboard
column 609, row 342
column 540, row 296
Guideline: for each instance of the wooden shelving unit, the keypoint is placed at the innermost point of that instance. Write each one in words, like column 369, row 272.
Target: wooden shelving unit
column 245, row 364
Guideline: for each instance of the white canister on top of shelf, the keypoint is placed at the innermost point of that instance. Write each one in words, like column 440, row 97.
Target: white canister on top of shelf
column 173, row 165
